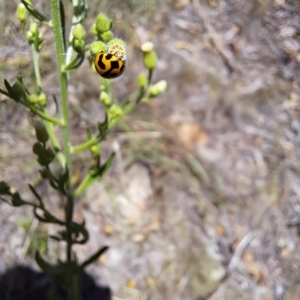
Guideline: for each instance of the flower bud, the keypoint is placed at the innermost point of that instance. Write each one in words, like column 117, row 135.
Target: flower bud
column 42, row 99
column 96, row 149
column 115, row 112
column 78, row 32
column 19, row 89
column 38, row 149
column 29, row 36
column 78, row 45
column 45, row 173
column 157, row 88
column 103, row 23
column 33, row 98
column 21, row 12
column 106, row 36
column 33, row 28
column 40, row 38
column 150, row 60
column 97, row 47
column 93, row 30
column 104, row 98
column 41, row 132
column 142, row 80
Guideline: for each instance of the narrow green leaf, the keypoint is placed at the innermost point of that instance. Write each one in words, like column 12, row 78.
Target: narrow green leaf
column 75, row 63
column 103, row 128
column 94, row 257
column 35, row 13
column 107, row 165
column 10, row 91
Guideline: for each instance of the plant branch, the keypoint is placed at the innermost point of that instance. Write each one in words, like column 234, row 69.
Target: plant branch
column 63, row 80
column 94, row 141
column 45, row 116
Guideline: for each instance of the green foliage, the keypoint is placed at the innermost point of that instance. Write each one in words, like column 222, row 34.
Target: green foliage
column 55, row 164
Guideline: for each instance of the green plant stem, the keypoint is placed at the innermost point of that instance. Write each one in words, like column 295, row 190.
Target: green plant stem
column 49, row 125
column 54, row 142
column 150, row 74
column 45, row 116
column 63, row 80
column 35, row 59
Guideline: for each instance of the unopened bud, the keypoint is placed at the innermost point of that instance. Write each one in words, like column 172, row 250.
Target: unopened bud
column 106, row 36
column 142, row 80
column 115, row 112
column 78, row 32
column 93, row 30
column 97, row 47
column 42, row 99
column 104, row 98
column 41, row 132
column 33, row 28
column 21, row 12
column 18, row 88
column 150, row 60
column 33, row 98
column 78, row 45
column 103, row 23
column 157, row 88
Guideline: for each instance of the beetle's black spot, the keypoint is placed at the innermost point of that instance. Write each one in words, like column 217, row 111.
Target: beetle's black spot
column 100, row 62
column 108, row 56
column 113, row 65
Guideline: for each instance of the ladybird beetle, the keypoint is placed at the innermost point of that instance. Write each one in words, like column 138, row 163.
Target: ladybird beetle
column 108, row 65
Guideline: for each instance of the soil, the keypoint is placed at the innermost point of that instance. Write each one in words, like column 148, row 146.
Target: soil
column 202, row 201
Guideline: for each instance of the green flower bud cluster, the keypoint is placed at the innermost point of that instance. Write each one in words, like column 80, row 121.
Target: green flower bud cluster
column 78, row 38
column 114, row 112
column 101, row 28
column 34, row 36
column 106, row 42
column 105, row 99
column 38, row 99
